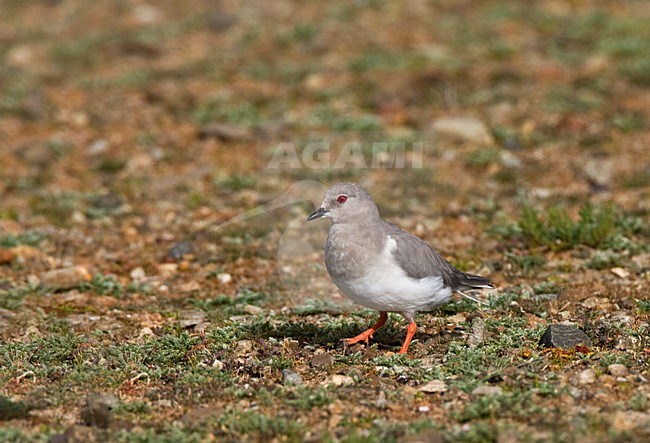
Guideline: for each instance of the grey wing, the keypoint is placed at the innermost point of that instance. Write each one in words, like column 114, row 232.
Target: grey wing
column 419, row 260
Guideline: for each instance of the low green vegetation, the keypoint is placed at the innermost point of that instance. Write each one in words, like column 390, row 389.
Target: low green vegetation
column 556, row 229
column 601, row 226
column 29, row 238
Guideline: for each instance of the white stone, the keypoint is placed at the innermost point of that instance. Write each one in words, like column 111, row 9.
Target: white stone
column 587, row 376
column 224, row 278
column 138, row 274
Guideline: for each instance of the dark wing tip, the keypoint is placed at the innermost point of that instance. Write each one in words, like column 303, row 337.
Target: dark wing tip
column 474, row 281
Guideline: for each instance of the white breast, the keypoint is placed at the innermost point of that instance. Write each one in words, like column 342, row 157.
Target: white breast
column 386, row 287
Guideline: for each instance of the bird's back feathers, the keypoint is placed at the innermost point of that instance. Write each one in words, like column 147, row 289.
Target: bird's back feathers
column 419, row 260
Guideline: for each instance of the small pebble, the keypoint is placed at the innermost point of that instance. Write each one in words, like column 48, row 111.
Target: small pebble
column 138, row 274
column 617, row 370
column 177, row 252
column 340, row 380
column 620, row 272
column 291, row 378
column 586, row 377
column 224, row 278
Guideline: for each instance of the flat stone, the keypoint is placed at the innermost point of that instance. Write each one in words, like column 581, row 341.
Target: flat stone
column 620, row 272
column 487, row 390
column 433, row 387
column 463, row 128
column 192, row 286
column 66, row 278
column 190, row 318
column 563, row 336
column 253, row 310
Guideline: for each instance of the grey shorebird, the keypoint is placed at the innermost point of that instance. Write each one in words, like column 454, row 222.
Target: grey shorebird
column 382, row 267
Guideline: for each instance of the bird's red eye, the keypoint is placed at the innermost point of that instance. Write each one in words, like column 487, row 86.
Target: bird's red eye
column 341, row 199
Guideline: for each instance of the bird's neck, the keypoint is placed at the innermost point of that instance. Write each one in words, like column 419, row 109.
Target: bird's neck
column 369, row 232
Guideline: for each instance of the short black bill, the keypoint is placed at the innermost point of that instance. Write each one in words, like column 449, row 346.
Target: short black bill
column 318, row 213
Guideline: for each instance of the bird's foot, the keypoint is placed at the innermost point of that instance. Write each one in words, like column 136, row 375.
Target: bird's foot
column 364, row 337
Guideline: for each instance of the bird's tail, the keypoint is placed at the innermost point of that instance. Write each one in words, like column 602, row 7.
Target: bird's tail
column 471, row 281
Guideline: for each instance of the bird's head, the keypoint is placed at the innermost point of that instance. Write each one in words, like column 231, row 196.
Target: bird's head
column 345, row 202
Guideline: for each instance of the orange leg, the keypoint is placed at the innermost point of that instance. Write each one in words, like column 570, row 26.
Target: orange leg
column 367, row 335
column 410, row 332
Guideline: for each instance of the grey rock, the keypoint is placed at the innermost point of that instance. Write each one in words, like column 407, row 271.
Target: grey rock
column 179, row 251
column 291, row 378
column 478, row 334
column 563, row 336
column 190, row 318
